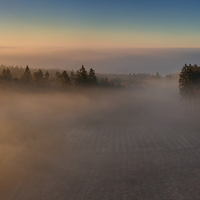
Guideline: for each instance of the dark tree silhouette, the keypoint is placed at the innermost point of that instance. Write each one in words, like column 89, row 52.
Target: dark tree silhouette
column 189, row 81
column 81, row 77
column 92, row 79
column 37, row 77
column 26, row 76
column 64, row 78
column 57, row 76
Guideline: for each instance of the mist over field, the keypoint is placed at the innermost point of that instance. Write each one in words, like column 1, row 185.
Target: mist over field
column 124, row 61
column 134, row 143
column 99, row 100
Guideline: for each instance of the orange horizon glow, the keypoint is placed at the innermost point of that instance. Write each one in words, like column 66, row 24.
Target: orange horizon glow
column 95, row 39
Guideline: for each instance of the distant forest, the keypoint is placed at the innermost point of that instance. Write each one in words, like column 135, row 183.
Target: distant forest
column 66, row 78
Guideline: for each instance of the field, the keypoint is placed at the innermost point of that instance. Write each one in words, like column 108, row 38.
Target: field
column 94, row 159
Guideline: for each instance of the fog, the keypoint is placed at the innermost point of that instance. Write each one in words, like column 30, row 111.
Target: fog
column 164, row 61
column 135, row 143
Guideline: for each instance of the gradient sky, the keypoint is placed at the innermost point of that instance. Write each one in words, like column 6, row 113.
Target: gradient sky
column 100, row 24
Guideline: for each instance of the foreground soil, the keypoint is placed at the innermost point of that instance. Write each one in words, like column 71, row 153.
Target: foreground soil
column 106, row 162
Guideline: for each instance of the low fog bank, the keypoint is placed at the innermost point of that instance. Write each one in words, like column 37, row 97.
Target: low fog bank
column 34, row 125
column 152, row 102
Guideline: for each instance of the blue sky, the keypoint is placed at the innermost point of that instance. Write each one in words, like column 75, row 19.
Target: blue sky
column 117, row 23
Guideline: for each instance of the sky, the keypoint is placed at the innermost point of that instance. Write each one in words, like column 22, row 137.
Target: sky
column 32, row 26
column 100, row 24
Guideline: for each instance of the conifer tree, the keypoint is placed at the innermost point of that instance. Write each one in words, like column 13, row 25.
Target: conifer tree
column 81, row 77
column 64, row 78
column 26, row 76
column 37, row 76
column 57, row 76
column 189, row 81
column 92, row 79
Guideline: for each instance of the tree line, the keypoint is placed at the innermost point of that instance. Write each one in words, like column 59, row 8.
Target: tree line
column 63, row 79
column 66, row 78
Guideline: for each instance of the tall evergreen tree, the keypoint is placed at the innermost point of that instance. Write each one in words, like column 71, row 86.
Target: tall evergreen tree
column 57, row 76
column 37, row 76
column 26, row 76
column 189, row 81
column 92, row 79
column 64, row 78
column 81, row 77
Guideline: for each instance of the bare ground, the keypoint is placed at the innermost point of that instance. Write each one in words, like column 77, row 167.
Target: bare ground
column 107, row 163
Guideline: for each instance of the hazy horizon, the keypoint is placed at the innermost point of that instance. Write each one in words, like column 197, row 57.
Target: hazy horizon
column 122, row 61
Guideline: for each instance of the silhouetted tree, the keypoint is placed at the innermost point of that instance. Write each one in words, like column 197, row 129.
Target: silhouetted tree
column 81, row 77
column 64, row 78
column 26, row 76
column 189, row 81
column 157, row 75
column 57, row 76
column 37, row 76
column 92, row 79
